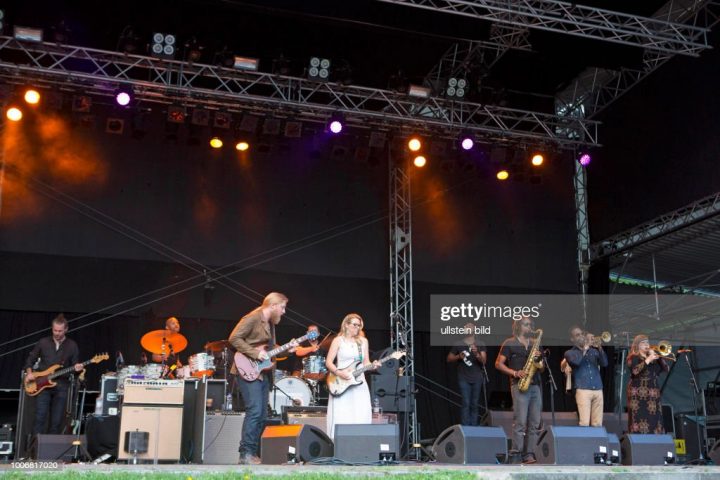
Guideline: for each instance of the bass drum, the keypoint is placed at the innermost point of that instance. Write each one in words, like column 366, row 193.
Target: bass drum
column 290, row 392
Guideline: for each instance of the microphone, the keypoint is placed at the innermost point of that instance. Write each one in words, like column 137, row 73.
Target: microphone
column 119, row 360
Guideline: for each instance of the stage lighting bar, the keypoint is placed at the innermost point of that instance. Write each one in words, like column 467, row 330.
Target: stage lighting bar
column 319, row 69
column 163, row 45
column 28, row 34
column 456, row 87
column 246, row 63
column 418, row 91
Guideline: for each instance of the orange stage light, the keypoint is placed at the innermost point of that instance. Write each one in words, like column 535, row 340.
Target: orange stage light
column 242, row 146
column 14, row 114
column 503, row 175
column 32, row 96
column 414, row 144
column 420, row 161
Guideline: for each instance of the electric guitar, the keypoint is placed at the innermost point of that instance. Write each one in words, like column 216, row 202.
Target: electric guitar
column 250, row 369
column 338, row 385
column 45, row 378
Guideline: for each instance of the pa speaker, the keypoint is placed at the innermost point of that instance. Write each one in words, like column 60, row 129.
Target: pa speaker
column 395, row 392
column 56, row 447
column 647, row 449
column 572, row 445
column 365, row 443
column 464, row 444
column 304, row 442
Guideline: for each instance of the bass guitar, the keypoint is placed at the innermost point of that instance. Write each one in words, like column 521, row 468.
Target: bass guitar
column 45, row 378
column 250, row 369
column 338, row 385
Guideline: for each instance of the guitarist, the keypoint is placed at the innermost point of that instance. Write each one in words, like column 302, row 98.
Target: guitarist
column 470, row 355
column 53, row 350
column 254, row 331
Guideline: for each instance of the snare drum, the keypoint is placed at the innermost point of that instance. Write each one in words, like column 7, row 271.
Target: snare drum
column 128, row 371
column 290, row 392
column 153, row 371
column 314, row 367
column 202, row 364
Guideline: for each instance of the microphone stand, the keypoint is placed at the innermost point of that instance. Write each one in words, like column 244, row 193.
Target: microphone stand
column 486, row 382
column 701, row 460
column 553, row 386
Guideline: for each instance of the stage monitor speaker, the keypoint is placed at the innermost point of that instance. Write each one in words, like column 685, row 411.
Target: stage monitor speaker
column 476, row 445
column 304, row 442
column 504, row 419
column 102, row 433
column 688, row 429
column 56, row 447
column 394, row 392
column 164, row 424
column 714, row 453
column 647, row 449
column 614, row 450
column 222, row 438
column 364, row 443
column 559, row 445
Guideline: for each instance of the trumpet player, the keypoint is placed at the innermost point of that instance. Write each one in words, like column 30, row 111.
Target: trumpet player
column 585, row 358
column 512, row 360
column 643, row 390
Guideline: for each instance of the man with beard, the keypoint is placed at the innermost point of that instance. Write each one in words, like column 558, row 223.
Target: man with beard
column 585, row 358
column 253, row 332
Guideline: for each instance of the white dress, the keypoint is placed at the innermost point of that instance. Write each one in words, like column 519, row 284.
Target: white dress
column 353, row 406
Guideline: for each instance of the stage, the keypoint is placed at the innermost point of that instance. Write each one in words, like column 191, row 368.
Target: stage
column 404, row 469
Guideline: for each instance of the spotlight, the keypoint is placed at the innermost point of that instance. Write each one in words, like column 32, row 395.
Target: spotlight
column 467, row 143
column 123, row 97
column 336, row 123
column 242, row 146
column 28, row 34
column 319, row 69
column 537, row 160
column 414, row 144
column 418, row 91
column 215, row 142
column 585, row 159
column 32, row 96
column 14, row 114
column 503, row 175
column 420, row 161
column 246, row 63
column 456, row 87
column 163, row 46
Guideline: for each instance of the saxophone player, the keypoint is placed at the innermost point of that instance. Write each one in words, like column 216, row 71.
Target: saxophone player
column 514, row 360
column 585, row 358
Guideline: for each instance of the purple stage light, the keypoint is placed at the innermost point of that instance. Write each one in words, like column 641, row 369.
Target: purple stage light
column 122, row 98
column 336, row 126
column 467, row 143
column 585, row 159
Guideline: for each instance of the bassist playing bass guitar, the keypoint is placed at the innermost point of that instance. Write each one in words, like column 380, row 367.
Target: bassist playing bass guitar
column 54, row 350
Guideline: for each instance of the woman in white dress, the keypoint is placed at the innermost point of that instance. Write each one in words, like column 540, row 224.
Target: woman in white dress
column 349, row 347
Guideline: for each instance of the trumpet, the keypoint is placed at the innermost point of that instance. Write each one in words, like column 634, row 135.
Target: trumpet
column 597, row 341
column 664, row 349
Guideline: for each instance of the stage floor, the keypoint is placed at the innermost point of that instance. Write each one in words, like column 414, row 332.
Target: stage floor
column 403, row 469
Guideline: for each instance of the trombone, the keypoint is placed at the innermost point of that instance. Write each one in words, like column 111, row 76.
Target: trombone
column 664, row 349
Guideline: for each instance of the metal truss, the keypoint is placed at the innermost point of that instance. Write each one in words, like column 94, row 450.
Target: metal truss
column 583, row 232
column 596, row 88
column 578, row 20
column 657, row 227
column 164, row 81
column 401, row 283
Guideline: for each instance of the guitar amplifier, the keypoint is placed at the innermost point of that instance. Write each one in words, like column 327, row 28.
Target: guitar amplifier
column 154, row 392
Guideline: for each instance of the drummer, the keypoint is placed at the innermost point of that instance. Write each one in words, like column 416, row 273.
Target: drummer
column 172, row 326
column 314, row 348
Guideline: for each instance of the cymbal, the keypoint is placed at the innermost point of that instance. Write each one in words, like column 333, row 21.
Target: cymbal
column 153, row 342
column 325, row 344
column 218, row 345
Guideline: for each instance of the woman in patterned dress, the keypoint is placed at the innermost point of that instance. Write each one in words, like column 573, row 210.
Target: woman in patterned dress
column 643, row 390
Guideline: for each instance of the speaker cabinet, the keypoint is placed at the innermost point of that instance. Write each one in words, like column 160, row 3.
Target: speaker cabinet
column 504, row 419
column 365, row 443
column 316, row 419
column 305, row 442
column 222, row 438
column 164, row 424
column 56, row 447
column 646, row 449
column 571, row 445
column 614, row 450
column 687, row 428
column 477, row 445
column 393, row 391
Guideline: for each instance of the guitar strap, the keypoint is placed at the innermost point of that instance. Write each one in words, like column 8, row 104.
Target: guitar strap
column 271, row 345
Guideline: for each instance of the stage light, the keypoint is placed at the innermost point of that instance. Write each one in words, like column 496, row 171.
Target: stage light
column 246, row 63
column 537, row 159
column 319, row 69
column 27, row 34
column 418, row 91
column 456, row 87
column 215, row 142
column 420, row 161
column 163, row 45
column 32, row 96
column 503, row 175
column 467, row 143
column 414, row 144
column 242, row 146
column 123, row 97
column 585, row 159
column 14, row 114
column 336, row 123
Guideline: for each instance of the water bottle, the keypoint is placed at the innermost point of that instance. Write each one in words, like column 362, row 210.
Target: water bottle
column 376, row 410
column 228, row 402
column 98, row 405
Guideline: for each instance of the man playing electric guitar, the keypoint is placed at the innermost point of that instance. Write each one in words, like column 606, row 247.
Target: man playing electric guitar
column 251, row 337
column 54, row 350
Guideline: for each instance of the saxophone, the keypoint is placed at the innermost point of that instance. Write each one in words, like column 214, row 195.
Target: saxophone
column 530, row 365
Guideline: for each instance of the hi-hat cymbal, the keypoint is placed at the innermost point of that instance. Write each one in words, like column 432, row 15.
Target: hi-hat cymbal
column 218, row 346
column 157, row 339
